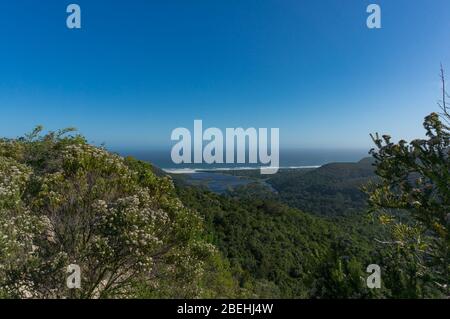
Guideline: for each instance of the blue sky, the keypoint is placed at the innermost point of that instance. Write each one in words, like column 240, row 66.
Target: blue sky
column 139, row 68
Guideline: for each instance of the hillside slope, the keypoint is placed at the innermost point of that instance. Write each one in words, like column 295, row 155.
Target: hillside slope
column 331, row 190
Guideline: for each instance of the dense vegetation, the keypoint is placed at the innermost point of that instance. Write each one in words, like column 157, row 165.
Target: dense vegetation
column 298, row 234
column 405, row 186
column 278, row 251
column 63, row 201
column 415, row 181
column 331, row 190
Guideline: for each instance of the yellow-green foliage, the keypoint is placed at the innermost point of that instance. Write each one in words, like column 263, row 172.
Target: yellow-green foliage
column 415, row 185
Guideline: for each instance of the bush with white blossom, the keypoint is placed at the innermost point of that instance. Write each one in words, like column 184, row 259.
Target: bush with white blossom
column 63, row 201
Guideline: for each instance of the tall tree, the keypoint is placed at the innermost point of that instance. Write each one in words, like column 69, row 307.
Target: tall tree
column 413, row 200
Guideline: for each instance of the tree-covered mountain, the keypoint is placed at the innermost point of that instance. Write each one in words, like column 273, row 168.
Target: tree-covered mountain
column 333, row 189
column 136, row 232
column 278, row 251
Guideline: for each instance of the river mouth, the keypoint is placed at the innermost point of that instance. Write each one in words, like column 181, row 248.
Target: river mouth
column 227, row 181
column 217, row 182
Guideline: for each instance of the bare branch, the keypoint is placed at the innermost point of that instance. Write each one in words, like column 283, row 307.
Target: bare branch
column 445, row 114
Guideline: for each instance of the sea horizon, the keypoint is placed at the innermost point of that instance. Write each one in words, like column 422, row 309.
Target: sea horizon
column 289, row 159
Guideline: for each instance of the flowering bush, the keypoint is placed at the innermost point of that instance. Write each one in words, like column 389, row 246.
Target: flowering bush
column 63, row 201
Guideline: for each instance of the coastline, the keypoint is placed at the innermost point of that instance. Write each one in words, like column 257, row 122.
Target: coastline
column 226, row 169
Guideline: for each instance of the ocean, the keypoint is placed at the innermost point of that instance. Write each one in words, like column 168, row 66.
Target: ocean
column 298, row 158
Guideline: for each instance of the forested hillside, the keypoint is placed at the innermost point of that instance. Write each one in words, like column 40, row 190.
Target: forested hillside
column 331, row 190
column 278, row 251
column 134, row 234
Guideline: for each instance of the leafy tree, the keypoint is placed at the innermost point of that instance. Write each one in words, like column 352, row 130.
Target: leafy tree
column 413, row 201
column 342, row 274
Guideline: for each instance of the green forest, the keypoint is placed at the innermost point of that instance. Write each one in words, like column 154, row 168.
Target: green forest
column 137, row 232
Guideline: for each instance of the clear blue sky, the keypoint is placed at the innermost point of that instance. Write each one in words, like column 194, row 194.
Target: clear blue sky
column 140, row 68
